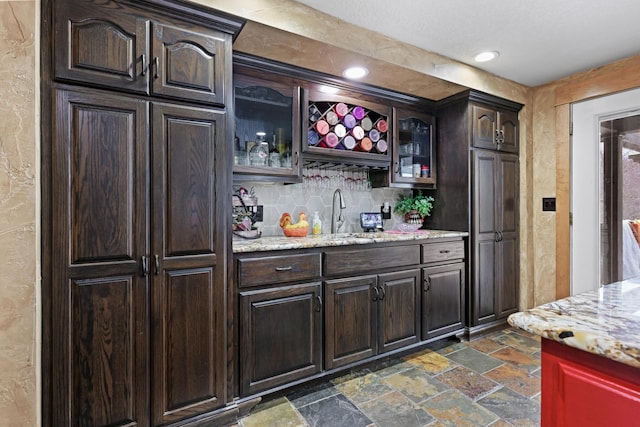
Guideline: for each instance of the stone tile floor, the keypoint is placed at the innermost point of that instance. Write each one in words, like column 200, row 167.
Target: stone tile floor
column 493, row 380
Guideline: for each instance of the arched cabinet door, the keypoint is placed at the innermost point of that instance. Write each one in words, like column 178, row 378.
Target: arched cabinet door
column 187, row 63
column 103, row 46
column 119, row 46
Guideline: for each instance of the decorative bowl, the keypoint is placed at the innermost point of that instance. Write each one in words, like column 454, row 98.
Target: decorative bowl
column 407, row 228
column 296, row 232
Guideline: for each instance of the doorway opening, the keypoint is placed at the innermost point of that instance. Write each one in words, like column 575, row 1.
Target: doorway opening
column 619, row 198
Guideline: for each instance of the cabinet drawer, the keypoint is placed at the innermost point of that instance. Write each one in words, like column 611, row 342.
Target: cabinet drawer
column 364, row 260
column 436, row 252
column 278, row 269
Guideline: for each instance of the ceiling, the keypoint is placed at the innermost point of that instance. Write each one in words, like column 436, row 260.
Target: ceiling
column 539, row 41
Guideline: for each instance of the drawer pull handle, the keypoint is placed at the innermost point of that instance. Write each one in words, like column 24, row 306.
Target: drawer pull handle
column 289, row 268
column 444, row 251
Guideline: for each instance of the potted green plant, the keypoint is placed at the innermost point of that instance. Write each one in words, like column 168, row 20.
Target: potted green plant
column 414, row 207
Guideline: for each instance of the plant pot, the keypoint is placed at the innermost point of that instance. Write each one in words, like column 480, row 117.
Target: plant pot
column 413, row 217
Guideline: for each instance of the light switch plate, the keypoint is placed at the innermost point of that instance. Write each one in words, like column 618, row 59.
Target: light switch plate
column 548, row 203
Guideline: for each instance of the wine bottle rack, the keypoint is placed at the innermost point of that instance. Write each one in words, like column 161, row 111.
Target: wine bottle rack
column 356, row 132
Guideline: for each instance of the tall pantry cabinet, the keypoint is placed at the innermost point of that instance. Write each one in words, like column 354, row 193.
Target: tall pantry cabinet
column 135, row 206
column 478, row 176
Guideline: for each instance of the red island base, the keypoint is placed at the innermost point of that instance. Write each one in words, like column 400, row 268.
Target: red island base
column 582, row 389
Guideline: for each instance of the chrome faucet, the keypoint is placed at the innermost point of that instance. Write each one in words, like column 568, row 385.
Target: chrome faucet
column 335, row 225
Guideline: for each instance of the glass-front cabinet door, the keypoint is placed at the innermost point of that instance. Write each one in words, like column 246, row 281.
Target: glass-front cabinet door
column 266, row 139
column 414, row 156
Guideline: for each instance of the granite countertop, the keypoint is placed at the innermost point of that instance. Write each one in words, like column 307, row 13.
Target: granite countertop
column 605, row 322
column 272, row 243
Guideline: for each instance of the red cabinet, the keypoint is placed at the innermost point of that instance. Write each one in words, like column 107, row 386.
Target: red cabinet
column 583, row 389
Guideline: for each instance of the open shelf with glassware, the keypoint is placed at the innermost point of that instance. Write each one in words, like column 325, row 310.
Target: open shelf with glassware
column 413, row 151
column 266, row 145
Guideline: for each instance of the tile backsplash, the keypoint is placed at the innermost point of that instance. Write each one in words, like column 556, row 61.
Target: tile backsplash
column 296, row 198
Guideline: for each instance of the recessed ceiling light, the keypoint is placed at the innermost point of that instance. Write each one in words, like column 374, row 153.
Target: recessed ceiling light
column 355, row 72
column 487, row 56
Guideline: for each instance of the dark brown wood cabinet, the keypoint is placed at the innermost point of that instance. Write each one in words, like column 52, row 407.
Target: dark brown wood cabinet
column 99, row 297
column 413, row 150
column 280, row 335
column 478, row 192
column 369, row 315
column 494, row 128
column 310, row 312
column 142, row 242
column 135, row 269
column 398, row 310
column 266, row 103
column 495, row 221
column 186, row 262
column 127, row 48
column 443, row 288
column 443, row 299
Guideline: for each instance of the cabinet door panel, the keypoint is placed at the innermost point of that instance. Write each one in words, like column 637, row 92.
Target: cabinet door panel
column 484, row 191
column 100, row 45
column 101, row 157
column 484, row 121
column 508, row 247
column 398, row 309
column 188, row 288
column 191, row 63
column 509, row 131
column 184, row 144
column 443, row 299
column 99, row 298
column 187, row 377
column 507, row 294
column 508, row 193
column 280, row 337
column 350, row 320
column 104, row 358
column 484, row 291
column 583, row 389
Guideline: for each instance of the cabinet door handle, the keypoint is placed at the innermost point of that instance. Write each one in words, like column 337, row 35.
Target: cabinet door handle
column 383, row 292
column 156, row 263
column 144, row 266
column 427, row 285
column 496, row 237
column 501, row 236
column 497, row 139
column 288, row 268
column 297, row 158
column 319, row 303
column 144, row 64
column 376, row 293
column 156, row 63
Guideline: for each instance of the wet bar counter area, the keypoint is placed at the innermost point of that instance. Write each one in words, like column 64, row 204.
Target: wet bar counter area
column 272, row 243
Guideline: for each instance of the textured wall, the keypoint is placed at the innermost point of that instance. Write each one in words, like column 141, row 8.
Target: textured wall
column 543, row 163
column 19, row 223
